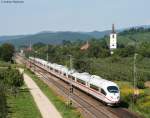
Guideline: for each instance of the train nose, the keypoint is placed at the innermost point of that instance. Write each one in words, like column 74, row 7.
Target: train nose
column 115, row 97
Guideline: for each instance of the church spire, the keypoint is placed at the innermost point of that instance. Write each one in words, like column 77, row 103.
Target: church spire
column 113, row 28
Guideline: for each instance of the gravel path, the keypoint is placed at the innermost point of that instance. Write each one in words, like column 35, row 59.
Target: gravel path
column 46, row 108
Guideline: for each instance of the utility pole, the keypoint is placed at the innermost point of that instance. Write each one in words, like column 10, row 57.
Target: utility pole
column 70, row 61
column 34, row 53
column 34, row 61
column 135, row 55
column 134, row 74
column 47, row 53
column 70, row 82
column 30, row 49
column 134, row 82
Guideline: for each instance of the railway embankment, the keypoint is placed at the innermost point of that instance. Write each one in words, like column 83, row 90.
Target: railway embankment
column 59, row 101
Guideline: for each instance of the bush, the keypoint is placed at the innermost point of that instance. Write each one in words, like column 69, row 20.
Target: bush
column 7, row 51
column 3, row 104
column 141, row 80
column 126, row 52
column 140, row 85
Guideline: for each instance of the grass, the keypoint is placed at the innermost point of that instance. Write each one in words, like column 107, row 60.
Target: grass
column 142, row 104
column 59, row 103
column 4, row 64
column 17, row 66
column 23, row 105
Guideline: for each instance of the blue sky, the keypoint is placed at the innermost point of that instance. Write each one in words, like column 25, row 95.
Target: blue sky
column 34, row 16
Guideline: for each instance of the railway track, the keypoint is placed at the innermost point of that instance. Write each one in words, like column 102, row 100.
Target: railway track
column 94, row 111
column 92, row 107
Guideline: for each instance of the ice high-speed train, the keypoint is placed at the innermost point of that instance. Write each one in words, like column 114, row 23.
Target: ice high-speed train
column 104, row 90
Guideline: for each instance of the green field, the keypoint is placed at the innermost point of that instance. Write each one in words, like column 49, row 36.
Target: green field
column 59, row 102
column 23, row 105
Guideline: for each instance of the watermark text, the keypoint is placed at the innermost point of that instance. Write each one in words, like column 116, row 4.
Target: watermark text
column 12, row 1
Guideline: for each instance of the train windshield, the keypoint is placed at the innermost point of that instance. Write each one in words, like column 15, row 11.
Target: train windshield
column 113, row 89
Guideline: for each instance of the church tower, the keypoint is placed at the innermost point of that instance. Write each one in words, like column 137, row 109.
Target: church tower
column 113, row 40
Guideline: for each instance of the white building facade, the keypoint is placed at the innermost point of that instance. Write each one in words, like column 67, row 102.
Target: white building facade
column 113, row 40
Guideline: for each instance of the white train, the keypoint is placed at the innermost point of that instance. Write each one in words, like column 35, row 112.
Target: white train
column 102, row 89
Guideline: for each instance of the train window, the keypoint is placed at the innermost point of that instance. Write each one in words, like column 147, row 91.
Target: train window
column 56, row 70
column 81, row 81
column 94, row 87
column 112, row 89
column 73, row 78
column 103, row 92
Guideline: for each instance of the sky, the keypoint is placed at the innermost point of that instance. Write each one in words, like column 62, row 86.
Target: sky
column 34, row 16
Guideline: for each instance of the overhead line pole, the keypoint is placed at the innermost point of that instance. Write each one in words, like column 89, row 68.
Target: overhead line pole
column 134, row 74
column 47, row 53
column 30, row 49
column 70, row 82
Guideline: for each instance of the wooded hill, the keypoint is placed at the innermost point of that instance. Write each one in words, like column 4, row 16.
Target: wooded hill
column 51, row 37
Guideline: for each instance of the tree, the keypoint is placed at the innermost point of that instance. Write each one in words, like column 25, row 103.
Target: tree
column 126, row 52
column 82, row 64
column 144, row 49
column 65, row 42
column 103, row 44
column 38, row 45
column 7, row 51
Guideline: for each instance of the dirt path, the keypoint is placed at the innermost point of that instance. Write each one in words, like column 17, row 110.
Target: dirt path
column 46, row 108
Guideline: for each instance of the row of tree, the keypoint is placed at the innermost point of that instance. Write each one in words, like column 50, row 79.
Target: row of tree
column 10, row 79
column 97, row 49
column 135, row 30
